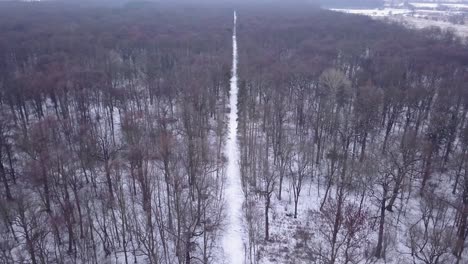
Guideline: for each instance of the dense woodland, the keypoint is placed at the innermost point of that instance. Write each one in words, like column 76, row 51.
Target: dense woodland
column 111, row 127
column 353, row 135
column 354, row 138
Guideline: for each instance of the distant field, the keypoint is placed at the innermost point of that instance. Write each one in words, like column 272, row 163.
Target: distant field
column 424, row 15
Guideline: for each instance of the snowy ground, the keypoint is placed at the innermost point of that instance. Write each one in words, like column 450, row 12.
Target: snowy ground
column 419, row 18
column 375, row 12
column 233, row 240
column 420, row 23
column 437, row 5
column 292, row 240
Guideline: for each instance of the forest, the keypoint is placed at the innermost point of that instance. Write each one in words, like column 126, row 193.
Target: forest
column 110, row 133
column 352, row 135
column 354, row 139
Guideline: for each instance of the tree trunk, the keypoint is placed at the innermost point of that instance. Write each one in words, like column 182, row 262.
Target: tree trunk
column 389, row 127
column 427, row 169
column 296, row 200
column 46, row 187
column 378, row 250
column 109, row 180
column 363, row 147
column 5, row 181
column 336, row 225
column 167, row 179
column 280, row 186
column 457, row 177
column 187, row 250
column 396, row 189
column 267, row 223
column 461, row 234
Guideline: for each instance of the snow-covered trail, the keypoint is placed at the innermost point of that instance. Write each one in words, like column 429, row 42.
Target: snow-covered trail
column 233, row 242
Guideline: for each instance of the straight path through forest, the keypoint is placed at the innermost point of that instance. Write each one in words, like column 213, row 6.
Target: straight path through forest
column 233, row 243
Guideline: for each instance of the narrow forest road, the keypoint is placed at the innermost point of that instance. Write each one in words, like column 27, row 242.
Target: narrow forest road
column 233, row 243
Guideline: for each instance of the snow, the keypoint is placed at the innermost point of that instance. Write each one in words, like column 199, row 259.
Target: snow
column 418, row 19
column 425, row 5
column 291, row 239
column 374, row 12
column 420, row 23
column 233, row 242
column 460, row 6
column 436, row 5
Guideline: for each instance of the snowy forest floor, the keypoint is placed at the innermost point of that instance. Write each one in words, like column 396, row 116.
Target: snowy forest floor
column 297, row 240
